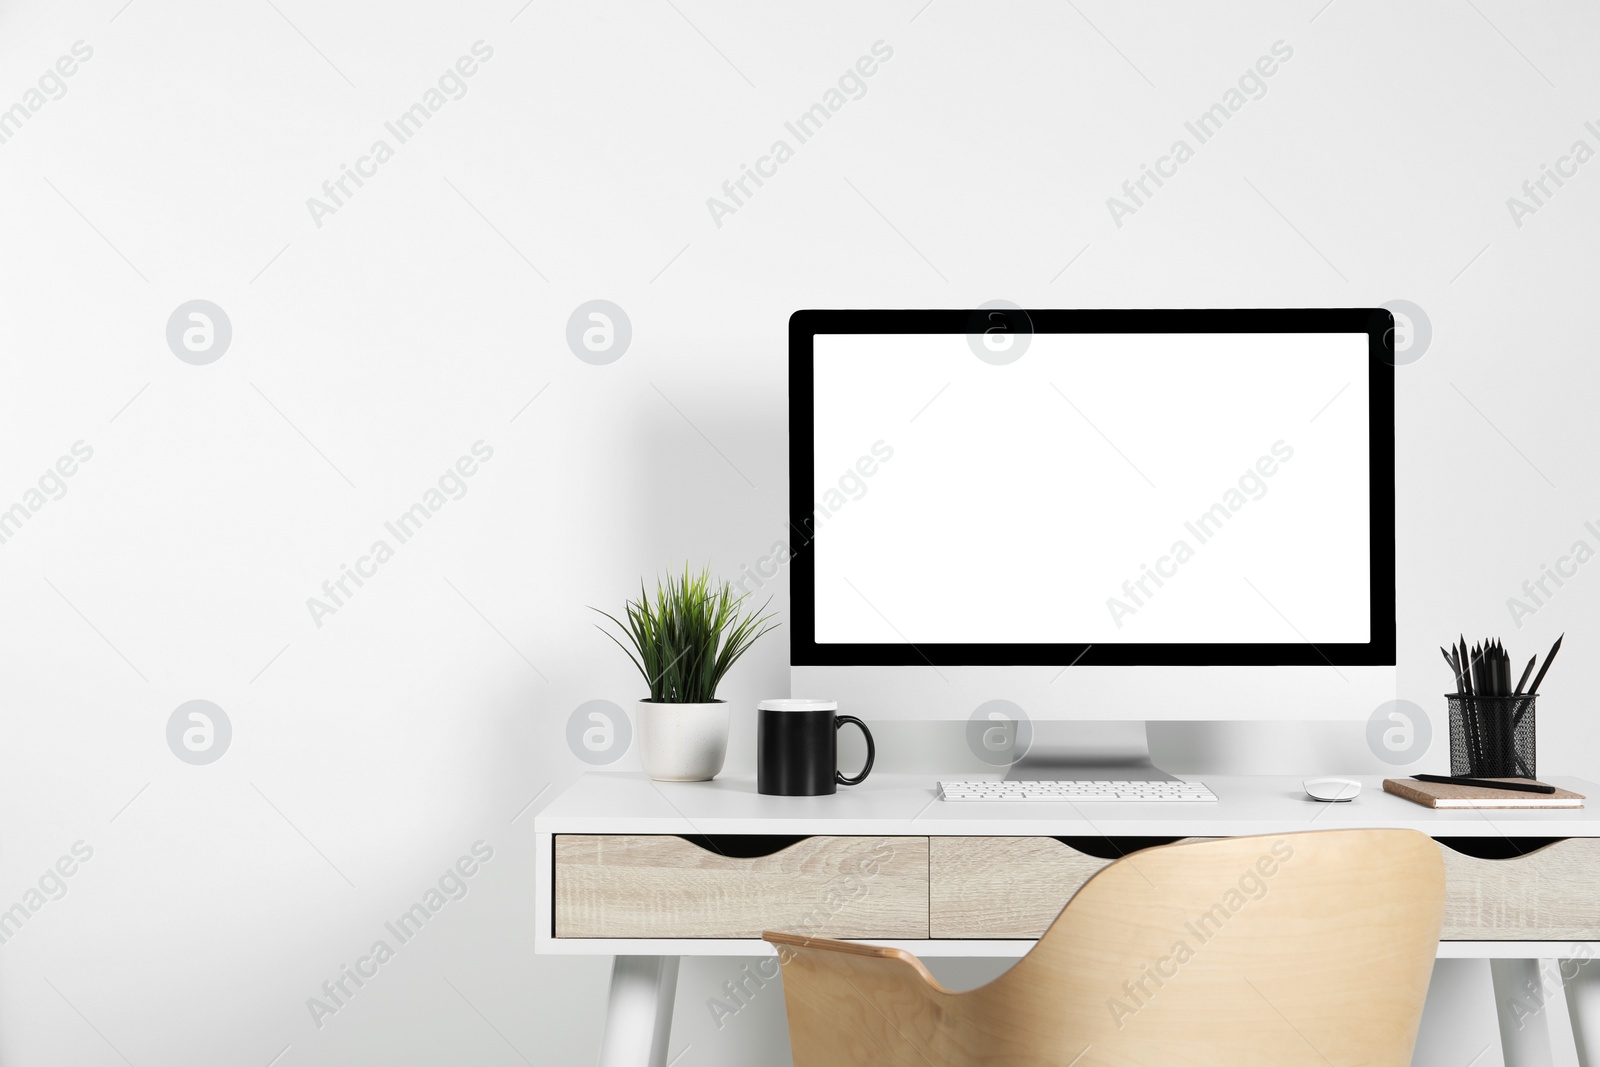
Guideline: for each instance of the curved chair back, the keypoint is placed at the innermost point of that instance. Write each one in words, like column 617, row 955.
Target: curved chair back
column 1303, row 948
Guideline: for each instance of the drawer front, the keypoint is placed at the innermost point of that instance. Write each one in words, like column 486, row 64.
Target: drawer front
column 617, row 885
column 1003, row 887
column 1550, row 894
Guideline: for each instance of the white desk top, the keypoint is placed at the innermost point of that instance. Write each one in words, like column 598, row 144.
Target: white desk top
column 608, row 802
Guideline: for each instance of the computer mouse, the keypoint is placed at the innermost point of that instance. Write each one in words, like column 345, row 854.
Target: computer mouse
column 1332, row 790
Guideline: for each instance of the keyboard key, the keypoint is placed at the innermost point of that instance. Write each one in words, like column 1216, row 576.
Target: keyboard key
column 1089, row 792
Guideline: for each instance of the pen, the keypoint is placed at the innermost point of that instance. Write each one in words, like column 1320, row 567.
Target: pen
column 1487, row 783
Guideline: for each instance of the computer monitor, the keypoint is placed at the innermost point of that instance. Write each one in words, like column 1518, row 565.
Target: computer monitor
column 1118, row 515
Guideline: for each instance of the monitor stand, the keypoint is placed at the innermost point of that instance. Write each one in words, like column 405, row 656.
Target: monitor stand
column 1086, row 752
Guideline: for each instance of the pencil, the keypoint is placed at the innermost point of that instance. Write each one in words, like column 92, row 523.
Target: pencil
column 1533, row 689
column 1469, row 719
column 1448, row 662
column 1548, row 659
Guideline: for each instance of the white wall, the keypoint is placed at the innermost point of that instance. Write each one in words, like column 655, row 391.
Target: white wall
column 370, row 352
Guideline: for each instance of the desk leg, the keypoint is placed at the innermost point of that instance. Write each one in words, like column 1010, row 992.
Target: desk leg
column 1583, row 1004
column 1528, row 1001
column 639, row 1016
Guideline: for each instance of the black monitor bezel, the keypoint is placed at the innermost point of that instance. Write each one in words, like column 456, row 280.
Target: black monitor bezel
column 1376, row 323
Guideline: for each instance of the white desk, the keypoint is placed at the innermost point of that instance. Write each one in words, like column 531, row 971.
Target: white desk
column 1547, row 901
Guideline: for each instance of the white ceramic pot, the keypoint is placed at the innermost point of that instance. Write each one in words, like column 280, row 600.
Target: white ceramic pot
column 683, row 742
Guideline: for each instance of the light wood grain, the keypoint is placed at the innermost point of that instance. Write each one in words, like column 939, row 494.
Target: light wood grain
column 1002, row 886
column 662, row 886
column 1317, row 951
column 991, row 887
column 1549, row 894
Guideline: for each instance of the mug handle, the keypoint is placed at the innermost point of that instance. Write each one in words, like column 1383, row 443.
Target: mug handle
column 871, row 751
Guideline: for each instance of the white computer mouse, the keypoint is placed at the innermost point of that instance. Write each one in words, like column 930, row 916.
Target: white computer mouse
column 1332, row 790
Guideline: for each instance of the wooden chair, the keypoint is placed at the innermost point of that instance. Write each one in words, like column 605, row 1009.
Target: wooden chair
column 1302, row 948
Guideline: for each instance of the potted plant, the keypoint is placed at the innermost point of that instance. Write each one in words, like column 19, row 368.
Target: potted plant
column 684, row 641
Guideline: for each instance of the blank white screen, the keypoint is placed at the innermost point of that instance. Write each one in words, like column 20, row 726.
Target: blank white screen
column 1023, row 503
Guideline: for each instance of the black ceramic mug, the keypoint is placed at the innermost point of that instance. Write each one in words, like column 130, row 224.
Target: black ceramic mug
column 797, row 748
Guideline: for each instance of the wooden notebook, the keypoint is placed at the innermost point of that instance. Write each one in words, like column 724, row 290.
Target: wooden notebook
column 1448, row 795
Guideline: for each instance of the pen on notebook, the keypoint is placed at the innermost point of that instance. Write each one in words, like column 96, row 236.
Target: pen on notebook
column 1487, row 783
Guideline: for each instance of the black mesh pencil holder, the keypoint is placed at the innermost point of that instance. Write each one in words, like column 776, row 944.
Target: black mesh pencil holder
column 1492, row 736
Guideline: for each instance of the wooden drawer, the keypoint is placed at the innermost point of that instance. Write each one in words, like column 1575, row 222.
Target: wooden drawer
column 1014, row 887
column 615, row 885
column 1002, row 887
column 1551, row 893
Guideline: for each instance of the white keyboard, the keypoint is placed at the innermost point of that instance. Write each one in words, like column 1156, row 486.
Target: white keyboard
column 1087, row 792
